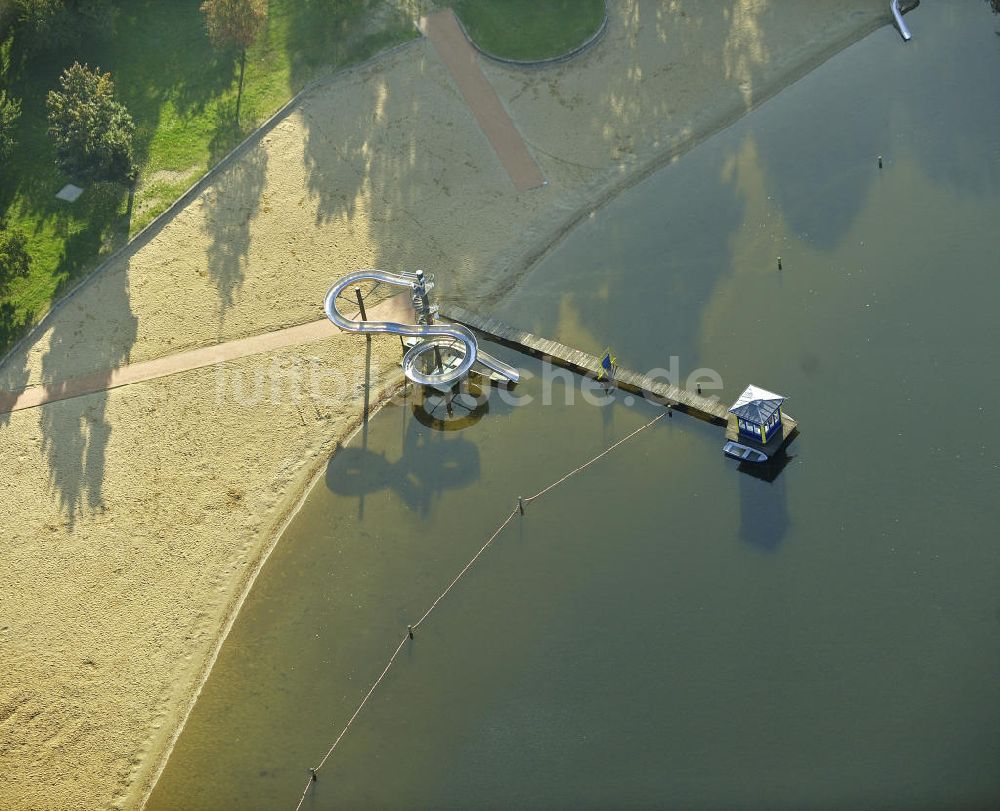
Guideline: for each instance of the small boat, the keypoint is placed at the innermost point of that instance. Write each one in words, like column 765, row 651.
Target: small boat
column 743, row 453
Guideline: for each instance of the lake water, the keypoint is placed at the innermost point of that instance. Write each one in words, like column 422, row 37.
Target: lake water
column 662, row 629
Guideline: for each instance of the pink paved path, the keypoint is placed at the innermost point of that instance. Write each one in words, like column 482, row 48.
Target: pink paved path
column 442, row 29
column 395, row 309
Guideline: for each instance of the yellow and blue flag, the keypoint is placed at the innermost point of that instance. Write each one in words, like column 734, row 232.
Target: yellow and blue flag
column 609, row 363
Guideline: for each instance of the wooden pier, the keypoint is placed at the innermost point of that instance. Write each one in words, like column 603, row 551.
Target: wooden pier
column 650, row 388
column 709, row 409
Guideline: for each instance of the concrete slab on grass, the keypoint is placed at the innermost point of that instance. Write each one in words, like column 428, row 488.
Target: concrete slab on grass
column 69, row 193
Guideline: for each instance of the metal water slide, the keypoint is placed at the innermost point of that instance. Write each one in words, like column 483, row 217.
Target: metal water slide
column 897, row 15
column 456, row 342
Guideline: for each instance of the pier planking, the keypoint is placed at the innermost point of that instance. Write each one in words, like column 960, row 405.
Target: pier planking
column 657, row 390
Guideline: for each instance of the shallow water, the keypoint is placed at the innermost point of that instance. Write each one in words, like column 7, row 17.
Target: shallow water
column 663, row 630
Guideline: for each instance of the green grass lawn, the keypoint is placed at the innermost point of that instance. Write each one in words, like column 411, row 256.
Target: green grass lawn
column 182, row 95
column 529, row 29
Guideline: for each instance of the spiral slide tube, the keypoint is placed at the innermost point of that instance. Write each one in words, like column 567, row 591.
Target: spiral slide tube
column 432, row 335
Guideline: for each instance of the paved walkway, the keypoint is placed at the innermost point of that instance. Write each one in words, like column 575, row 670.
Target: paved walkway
column 396, row 308
column 448, row 39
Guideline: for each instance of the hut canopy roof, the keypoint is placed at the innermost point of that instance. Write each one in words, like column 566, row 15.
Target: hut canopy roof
column 756, row 405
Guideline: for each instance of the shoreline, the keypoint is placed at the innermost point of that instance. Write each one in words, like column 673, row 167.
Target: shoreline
column 677, row 151
column 141, row 790
column 424, row 224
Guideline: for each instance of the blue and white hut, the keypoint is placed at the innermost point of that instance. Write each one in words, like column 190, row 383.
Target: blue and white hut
column 758, row 414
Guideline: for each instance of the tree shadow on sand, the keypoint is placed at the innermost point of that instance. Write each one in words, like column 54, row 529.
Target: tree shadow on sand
column 359, row 172
column 231, row 204
column 76, row 432
column 367, row 162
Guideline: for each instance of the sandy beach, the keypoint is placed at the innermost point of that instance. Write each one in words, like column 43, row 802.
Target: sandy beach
column 135, row 519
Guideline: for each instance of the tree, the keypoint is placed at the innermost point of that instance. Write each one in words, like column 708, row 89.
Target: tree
column 48, row 25
column 10, row 111
column 7, row 15
column 92, row 132
column 235, row 24
column 14, row 259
